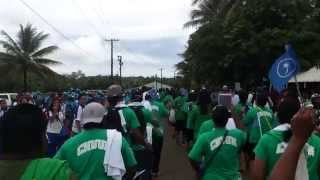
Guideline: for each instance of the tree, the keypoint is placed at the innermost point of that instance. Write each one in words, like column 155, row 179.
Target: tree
column 25, row 53
column 241, row 43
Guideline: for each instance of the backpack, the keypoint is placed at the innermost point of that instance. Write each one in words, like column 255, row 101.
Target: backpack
column 112, row 120
column 139, row 113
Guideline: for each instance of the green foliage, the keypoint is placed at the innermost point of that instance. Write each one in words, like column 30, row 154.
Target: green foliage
column 240, row 39
column 26, row 55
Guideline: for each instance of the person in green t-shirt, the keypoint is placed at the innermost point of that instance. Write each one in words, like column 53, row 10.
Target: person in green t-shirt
column 160, row 114
column 192, row 110
column 206, row 127
column 119, row 116
column 181, row 119
column 202, row 114
column 143, row 154
column 240, row 110
column 23, row 145
column 273, row 144
column 86, row 151
column 220, row 149
column 258, row 121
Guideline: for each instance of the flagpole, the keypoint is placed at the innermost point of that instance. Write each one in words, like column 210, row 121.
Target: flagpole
column 296, row 81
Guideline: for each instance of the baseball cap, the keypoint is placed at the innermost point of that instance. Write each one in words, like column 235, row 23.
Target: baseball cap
column 93, row 113
column 114, row 90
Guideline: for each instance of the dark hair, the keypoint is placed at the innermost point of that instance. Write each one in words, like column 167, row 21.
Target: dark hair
column 193, row 96
column 114, row 100
column 52, row 104
column 261, row 97
column 243, row 96
column 22, row 130
column 88, row 126
column 220, row 115
column 288, row 107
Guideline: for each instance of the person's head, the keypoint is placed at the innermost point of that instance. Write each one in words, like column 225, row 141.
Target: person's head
column 82, row 99
column 261, row 97
column 93, row 115
column 136, row 96
column 22, row 132
column 243, row 96
column 3, row 104
column 220, row 116
column 55, row 106
column 192, row 96
column 114, row 94
column 288, row 107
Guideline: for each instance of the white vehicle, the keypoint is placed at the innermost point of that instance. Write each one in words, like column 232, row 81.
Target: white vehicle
column 9, row 97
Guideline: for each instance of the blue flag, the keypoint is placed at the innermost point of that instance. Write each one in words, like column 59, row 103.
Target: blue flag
column 285, row 67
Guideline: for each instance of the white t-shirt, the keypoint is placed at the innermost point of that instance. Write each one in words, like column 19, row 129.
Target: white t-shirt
column 55, row 125
column 78, row 118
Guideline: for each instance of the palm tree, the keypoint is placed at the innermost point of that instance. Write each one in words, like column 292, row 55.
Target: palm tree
column 209, row 10
column 25, row 54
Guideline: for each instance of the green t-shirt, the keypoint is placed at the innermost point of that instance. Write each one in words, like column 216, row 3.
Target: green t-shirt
column 255, row 116
column 193, row 111
column 131, row 119
column 49, row 169
column 271, row 146
column 159, row 113
column 206, row 126
column 147, row 118
column 225, row 164
column 199, row 120
column 85, row 154
column 180, row 108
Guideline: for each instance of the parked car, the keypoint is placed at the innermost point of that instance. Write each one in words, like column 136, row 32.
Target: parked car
column 9, row 97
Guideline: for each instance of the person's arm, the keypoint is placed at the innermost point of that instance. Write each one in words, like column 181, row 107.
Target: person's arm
column 134, row 127
column 261, row 152
column 196, row 153
column 78, row 119
column 258, row 172
column 302, row 127
column 128, row 158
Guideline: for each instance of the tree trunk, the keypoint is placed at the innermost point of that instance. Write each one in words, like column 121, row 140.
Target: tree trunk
column 25, row 80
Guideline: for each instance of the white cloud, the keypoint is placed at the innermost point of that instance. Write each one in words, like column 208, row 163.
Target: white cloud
column 79, row 20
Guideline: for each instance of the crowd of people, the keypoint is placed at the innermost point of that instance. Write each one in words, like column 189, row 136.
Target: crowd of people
column 119, row 135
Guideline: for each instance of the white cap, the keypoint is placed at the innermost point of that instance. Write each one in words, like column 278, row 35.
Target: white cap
column 93, row 113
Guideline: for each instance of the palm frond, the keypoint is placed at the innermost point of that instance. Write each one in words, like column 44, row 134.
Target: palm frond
column 8, row 59
column 10, row 43
column 25, row 37
column 44, row 51
column 45, row 61
column 37, row 41
column 42, row 70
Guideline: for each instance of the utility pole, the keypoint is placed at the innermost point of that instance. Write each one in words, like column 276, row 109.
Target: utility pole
column 120, row 68
column 161, row 69
column 111, row 49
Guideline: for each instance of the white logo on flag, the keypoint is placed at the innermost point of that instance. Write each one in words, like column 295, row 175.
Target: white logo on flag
column 286, row 67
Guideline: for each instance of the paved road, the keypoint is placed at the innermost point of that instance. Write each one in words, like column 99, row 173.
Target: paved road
column 174, row 163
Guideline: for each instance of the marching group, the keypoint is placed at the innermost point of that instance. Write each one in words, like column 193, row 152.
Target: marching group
column 120, row 136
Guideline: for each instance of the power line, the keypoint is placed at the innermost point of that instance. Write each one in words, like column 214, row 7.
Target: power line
column 91, row 24
column 57, row 30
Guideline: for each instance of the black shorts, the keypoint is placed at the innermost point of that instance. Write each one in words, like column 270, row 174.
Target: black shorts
column 180, row 125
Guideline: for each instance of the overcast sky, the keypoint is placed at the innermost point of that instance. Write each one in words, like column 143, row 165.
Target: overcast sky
column 151, row 32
